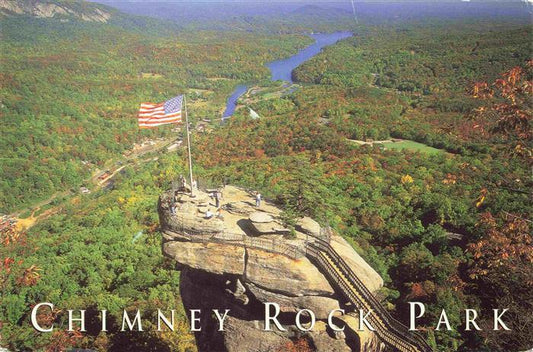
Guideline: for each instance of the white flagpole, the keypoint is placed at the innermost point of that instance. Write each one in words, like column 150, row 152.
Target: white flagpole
column 188, row 143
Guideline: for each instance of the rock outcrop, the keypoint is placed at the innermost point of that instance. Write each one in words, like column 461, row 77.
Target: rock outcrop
column 48, row 9
column 245, row 257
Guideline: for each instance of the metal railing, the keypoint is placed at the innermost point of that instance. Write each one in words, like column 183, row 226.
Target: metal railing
column 241, row 239
column 387, row 328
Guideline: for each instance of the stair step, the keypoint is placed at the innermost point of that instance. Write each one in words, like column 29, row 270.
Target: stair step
column 386, row 327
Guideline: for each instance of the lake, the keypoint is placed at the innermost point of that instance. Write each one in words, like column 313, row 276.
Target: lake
column 282, row 69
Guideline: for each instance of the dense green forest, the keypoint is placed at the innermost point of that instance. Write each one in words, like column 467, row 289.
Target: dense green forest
column 71, row 93
column 404, row 209
column 420, row 76
column 450, row 229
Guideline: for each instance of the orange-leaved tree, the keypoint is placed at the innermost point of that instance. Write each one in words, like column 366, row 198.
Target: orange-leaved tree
column 14, row 273
column 502, row 274
column 507, row 107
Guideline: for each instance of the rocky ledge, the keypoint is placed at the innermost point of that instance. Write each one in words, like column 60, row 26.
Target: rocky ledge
column 243, row 257
column 47, row 9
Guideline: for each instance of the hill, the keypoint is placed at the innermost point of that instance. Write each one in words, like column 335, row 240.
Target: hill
column 64, row 10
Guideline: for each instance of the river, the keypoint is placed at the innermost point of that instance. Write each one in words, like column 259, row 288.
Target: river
column 282, row 69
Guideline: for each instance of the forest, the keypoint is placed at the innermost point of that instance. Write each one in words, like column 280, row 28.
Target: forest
column 451, row 229
column 76, row 100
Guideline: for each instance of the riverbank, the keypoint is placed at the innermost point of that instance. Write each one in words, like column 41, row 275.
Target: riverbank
column 281, row 70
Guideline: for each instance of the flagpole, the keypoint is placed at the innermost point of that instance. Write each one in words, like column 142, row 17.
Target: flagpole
column 188, row 142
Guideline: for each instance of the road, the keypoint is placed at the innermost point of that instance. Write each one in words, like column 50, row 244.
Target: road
column 119, row 165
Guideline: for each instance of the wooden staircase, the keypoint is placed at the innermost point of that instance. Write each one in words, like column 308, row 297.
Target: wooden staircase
column 388, row 329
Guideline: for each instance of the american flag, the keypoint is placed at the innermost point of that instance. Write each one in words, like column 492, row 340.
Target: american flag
column 152, row 115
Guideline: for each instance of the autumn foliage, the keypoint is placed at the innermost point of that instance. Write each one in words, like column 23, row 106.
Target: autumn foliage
column 507, row 246
column 300, row 345
column 502, row 274
column 13, row 270
column 507, row 108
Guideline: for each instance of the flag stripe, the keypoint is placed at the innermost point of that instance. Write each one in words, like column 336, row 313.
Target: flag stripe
column 161, row 113
column 157, row 117
column 159, row 123
column 154, row 124
column 147, row 108
column 160, row 119
column 151, row 112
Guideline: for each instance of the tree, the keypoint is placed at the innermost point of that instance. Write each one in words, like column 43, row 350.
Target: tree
column 507, row 108
column 14, row 273
column 300, row 345
column 502, row 270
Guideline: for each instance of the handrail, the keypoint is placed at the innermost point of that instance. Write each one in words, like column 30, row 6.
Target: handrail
column 385, row 335
column 242, row 240
column 410, row 341
column 366, row 292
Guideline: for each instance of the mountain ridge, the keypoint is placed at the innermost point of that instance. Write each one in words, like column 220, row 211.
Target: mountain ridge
column 65, row 10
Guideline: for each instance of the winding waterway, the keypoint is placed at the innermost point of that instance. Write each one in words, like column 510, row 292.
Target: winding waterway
column 282, row 69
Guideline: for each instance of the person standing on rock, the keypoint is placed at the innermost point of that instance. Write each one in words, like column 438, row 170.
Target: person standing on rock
column 217, row 198
column 172, row 207
column 182, row 183
column 257, row 199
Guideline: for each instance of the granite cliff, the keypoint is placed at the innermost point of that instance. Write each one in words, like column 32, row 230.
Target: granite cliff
column 84, row 11
column 246, row 257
